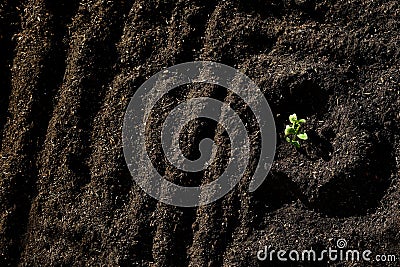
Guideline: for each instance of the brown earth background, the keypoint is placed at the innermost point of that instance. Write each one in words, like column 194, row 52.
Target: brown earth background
column 69, row 68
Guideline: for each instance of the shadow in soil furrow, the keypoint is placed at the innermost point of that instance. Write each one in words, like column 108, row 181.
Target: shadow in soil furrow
column 231, row 221
column 302, row 93
column 178, row 237
column 205, row 231
column 102, row 52
column 215, row 225
column 173, row 235
column 214, row 231
column 264, row 8
column 9, row 24
column 309, row 9
column 358, row 191
column 49, row 80
column 276, row 191
column 200, row 129
column 197, row 21
column 184, row 235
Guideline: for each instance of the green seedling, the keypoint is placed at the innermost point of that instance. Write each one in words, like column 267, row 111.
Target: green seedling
column 293, row 133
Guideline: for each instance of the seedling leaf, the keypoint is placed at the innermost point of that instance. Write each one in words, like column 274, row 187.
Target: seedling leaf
column 293, row 118
column 302, row 136
column 289, row 130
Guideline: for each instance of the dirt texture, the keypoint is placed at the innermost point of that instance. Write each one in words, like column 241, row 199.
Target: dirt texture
column 69, row 68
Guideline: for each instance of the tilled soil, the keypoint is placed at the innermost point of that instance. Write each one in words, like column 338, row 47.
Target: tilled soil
column 69, row 68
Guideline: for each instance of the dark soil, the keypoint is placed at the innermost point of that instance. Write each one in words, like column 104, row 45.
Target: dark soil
column 69, row 68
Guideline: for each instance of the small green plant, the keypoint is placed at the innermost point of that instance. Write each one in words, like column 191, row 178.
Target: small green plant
column 292, row 132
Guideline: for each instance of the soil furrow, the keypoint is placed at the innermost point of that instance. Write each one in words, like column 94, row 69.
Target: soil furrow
column 90, row 35
column 9, row 24
column 33, row 87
